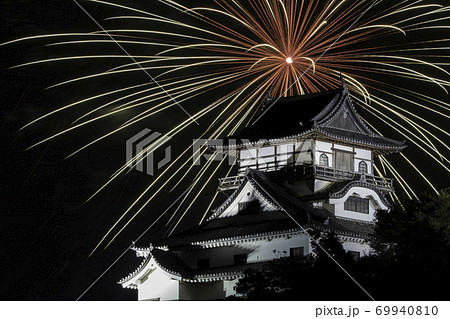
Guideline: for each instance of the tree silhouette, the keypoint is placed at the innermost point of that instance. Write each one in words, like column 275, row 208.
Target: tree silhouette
column 410, row 261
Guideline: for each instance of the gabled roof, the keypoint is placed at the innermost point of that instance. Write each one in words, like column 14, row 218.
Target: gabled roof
column 242, row 228
column 340, row 189
column 231, row 228
column 171, row 263
column 289, row 116
column 330, row 115
column 263, row 223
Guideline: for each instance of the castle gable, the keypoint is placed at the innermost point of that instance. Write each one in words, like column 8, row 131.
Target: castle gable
column 245, row 200
column 341, row 114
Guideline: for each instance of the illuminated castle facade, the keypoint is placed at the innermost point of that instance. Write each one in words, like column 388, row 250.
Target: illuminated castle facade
column 306, row 165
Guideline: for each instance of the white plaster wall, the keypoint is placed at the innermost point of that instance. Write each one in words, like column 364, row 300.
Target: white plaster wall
column 248, row 153
column 266, row 151
column 374, row 204
column 264, row 250
column 266, row 156
column 319, row 184
column 159, row 286
column 247, row 157
column 257, row 251
column 228, row 286
column 324, row 147
column 363, row 248
column 363, row 154
column 327, row 149
column 306, row 152
column 246, row 163
column 343, row 148
column 218, row 256
column 283, row 155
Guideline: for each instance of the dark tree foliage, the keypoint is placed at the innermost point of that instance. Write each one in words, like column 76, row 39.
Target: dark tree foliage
column 410, row 262
column 304, row 278
column 413, row 249
column 281, row 280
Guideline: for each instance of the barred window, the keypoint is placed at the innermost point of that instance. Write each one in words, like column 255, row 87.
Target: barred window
column 323, row 160
column 362, row 167
column 355, row 254
column 343, row 160
column 357, row 204
column 296, row 251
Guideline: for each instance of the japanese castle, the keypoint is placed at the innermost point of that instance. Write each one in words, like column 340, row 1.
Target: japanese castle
column 306, row 165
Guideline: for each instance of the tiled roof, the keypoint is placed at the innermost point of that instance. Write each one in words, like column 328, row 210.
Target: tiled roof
column 243, row 227
column 234, row 227
column 226, row 272
column 354, row 137
column 339, row 189
column 264, row 222
column 302, row 211
column 346, row 227
column 315, row 114
column 171, row 263
column 316, row 218
column 289, row 116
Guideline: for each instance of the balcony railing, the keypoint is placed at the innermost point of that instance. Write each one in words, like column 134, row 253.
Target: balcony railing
column 382, row 182
column 320, row 172
column 229, row 183
column 332, row 174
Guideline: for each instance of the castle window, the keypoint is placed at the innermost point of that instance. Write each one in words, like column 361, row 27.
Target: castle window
column 343, row 160
column 362, row 167
column 323, row 160
column 240, row 259
column 357, row 204
column 296, row 252
column 355, row 254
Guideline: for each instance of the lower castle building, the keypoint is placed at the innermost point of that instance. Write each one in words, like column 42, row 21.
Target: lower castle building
column 306, row 166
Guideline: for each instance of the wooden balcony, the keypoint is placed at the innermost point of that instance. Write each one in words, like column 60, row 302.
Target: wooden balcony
column 230, row 183
column 334, row 175
column 320, row 172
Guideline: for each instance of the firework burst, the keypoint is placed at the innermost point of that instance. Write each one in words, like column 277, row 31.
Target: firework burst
column 238, row 50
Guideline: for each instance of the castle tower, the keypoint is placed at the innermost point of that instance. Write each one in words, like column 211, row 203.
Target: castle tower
column 306, row 164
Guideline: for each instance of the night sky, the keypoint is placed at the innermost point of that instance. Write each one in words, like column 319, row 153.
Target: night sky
column 47, row 231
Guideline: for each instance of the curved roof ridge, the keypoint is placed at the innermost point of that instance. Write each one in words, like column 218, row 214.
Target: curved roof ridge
column 340, row 193
column 133, row 274
column 167, row 261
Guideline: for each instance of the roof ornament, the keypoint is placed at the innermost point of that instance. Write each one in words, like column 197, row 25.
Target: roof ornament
column 363, row 178
column 268, row 98
column 345, row 115
column 344, row 83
